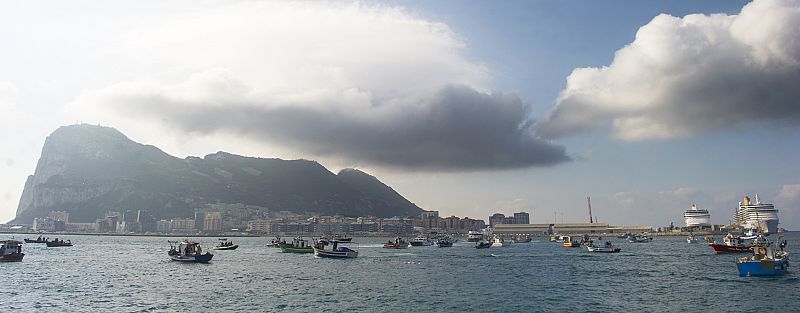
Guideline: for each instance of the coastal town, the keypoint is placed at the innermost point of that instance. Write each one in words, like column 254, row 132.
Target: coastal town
column 244, row 220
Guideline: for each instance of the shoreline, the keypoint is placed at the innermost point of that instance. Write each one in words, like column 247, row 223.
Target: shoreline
column 371, row 235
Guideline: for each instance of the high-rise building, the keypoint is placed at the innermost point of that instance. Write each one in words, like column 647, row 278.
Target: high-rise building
column 497, row 218
column 522, row 218
column 182, row 225
column 212, row 222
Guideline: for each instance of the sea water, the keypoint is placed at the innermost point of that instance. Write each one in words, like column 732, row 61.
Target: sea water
column 134, row 274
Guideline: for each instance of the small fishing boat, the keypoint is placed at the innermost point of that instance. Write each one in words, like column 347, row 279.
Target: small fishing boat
column 640, row 238
column 276, row 243
column 474, row 236
column 337, row 237
column 483, row 245
column 37, row 240
column 444, row 242
column 188, row 251
column 733, row 244
column 298, row 245
column 625, row 236
column 224, row 244
column 398, row 243
column 553, row 238
column 606, row 248
column 691, row 239
column 497, row 242
column 11, row 251
column 571, row 242
column 765, row 261
column 421, row 241
column 59, row 243
column 521, row 239
column 336, row 250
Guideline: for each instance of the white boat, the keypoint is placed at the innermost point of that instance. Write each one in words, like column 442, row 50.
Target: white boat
column 640, row 238
column 606, row 248
column 474, row 236
column 421, row 240
column 691, row 239
column 697, row 217
column 497, row 242
column 756, row 215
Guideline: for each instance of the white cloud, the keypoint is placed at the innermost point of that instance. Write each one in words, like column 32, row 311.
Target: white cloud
column 788, row 204
column 684, row 76
column 368, row 84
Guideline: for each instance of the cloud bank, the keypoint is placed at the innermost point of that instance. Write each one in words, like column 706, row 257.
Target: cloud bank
column 369, row 84
column 690, row 75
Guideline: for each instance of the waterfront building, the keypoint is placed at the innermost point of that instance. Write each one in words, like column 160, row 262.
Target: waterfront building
column 43, row 224
column 212, row 222
column 497, row 218
column 80, row 227
column 164, row 226
column 182, row 225
column 258, row 226
column 522, row 218
column 523, row 229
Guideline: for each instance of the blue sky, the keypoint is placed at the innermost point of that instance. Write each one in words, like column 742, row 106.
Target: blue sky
column 387, row 64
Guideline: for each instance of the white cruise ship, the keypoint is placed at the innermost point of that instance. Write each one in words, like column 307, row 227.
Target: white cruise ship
column 757, row 215
column 697, row 217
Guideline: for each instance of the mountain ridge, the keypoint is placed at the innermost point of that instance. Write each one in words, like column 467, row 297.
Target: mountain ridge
column 88, row 170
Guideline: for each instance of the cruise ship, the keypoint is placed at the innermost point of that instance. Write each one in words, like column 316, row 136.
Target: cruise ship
column 757, row 215
column 697, row 217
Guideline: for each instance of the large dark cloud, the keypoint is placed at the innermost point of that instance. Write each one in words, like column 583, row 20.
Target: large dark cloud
column 455, row 129
column 690, row 75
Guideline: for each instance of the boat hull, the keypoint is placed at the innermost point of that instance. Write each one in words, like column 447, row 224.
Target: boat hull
column 571, row 245
column 333, row 254
column 721, row 248
column 393, row 246
column 13, row 257
column 444, row 244
column 483, row 245
column 286, row 249
column 762, row 267
column 55, row 244
column 233, row 247
column 204, row 258
column 603, row 250
column 421, row 243
column 34, row 241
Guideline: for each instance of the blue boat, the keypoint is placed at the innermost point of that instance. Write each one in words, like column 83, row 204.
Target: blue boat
column 336, row 251
column 765, row 261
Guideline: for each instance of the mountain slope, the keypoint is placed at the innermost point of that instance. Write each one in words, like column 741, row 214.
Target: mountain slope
column 89, row 170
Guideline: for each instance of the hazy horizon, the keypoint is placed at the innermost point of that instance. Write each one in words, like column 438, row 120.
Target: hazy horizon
column 467, row 109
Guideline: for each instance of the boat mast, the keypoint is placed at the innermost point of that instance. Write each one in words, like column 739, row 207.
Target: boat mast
column 589, row 200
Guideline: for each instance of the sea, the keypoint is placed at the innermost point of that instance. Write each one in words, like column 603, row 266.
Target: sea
column 134, row 274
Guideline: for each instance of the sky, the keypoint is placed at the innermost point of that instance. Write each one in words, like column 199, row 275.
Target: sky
column 468, row 108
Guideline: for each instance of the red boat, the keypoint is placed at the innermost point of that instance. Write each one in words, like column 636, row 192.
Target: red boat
column 721, row 248
column 398, row 243
column 11, row 251
column 733, row 244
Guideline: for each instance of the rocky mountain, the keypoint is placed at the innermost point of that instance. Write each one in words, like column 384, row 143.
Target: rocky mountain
column 89, row 170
